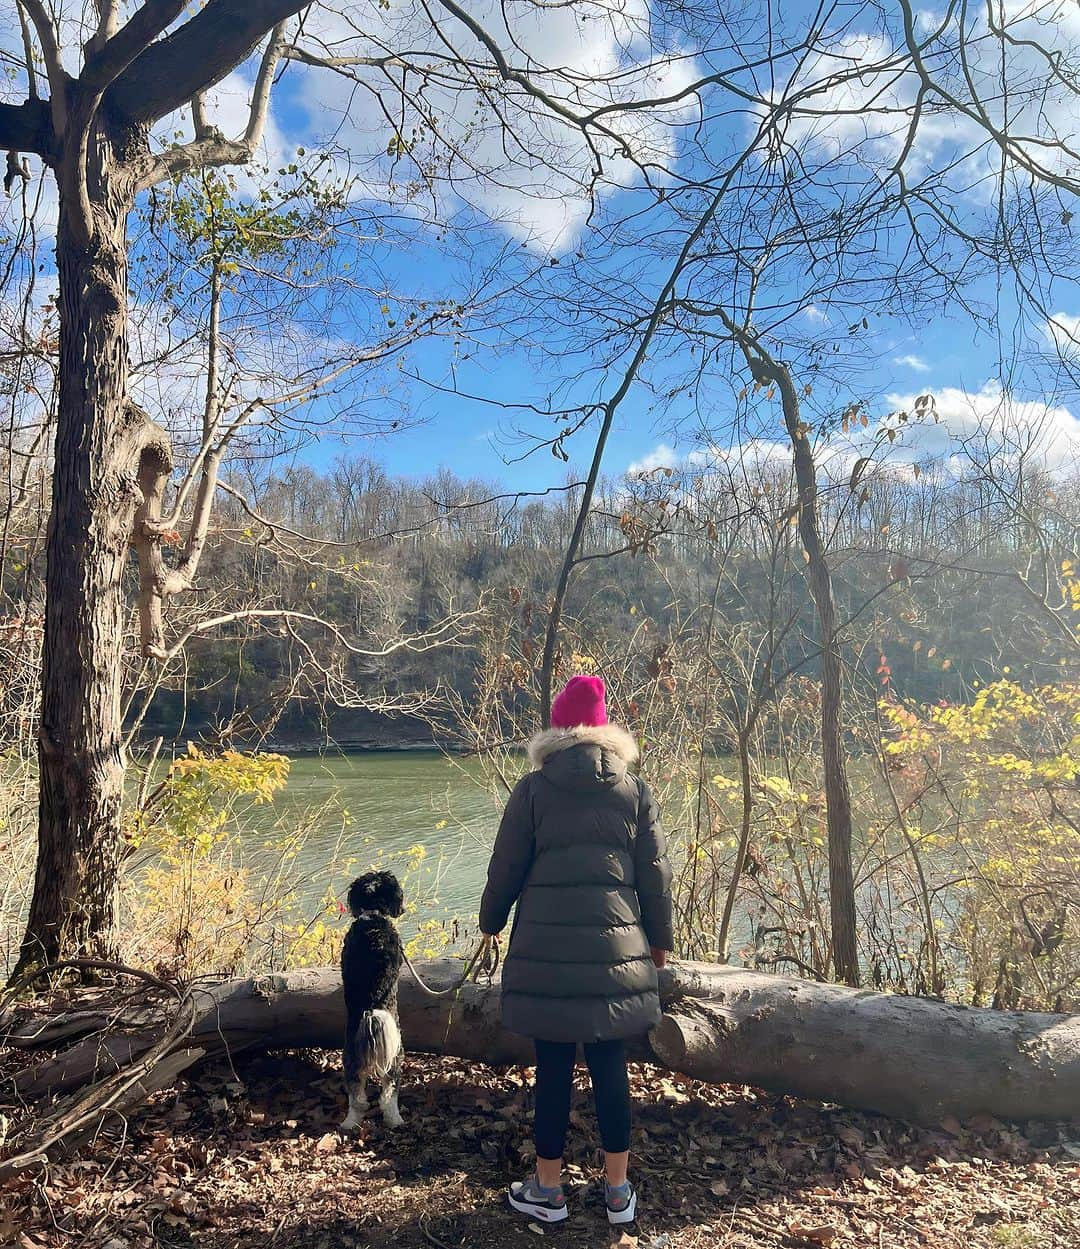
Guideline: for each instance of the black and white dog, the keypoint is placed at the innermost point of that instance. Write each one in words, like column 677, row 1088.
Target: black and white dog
column 370, row 962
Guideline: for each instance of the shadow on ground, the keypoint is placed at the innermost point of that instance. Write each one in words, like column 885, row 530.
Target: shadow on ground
column 249, row 1157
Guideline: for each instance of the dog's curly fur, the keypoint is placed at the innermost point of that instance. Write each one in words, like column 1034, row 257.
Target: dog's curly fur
column 370, row 961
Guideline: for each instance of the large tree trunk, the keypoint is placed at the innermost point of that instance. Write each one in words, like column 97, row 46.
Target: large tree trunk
column 915, row 1058
column 94, row 495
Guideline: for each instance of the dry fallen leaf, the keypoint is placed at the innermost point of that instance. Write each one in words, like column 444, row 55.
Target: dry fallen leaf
column 326, row 1144
column 625, row 1241
column 670, row 1093
column 907, row 1179
column 719, row 1188
column 821, row 1234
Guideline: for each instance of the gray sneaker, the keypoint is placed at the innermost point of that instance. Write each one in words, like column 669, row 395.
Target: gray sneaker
column 532, row 1198
column 621, row 1202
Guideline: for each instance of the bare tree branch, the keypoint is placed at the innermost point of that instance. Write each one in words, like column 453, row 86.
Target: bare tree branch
column 28, row 127
column 108, row 22
column 116, row 53
column 438, row 635
column 174, row 69
column 28, row 53
column 210, row 147
column 54, row 66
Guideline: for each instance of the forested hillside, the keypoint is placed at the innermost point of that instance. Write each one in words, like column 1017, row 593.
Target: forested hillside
column 934, row 573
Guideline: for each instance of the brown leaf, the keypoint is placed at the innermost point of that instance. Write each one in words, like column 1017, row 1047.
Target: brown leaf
column 719, row 1188
column 326, row 1144
column 907, row 1179
column 819, row 1233
column 857, row 472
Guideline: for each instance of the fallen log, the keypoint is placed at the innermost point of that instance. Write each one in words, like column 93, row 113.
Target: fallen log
column 910, row 1057
column 913, row 1058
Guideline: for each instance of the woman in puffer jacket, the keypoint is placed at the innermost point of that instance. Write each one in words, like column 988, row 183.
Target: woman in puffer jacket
column 581, row 852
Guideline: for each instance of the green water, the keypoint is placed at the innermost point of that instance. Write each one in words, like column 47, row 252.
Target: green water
column 375, row 809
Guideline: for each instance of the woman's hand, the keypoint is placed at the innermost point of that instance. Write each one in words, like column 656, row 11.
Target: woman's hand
column 659, row 957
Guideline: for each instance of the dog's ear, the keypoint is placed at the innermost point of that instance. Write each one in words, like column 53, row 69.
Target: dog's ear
column 356, row 898
column 395, row 896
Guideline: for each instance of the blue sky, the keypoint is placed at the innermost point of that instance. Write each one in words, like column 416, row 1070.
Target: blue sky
column 541, row 205
column 999, row 369
column 475, row 439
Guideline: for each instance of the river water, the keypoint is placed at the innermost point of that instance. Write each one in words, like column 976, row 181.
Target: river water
column 374, row 810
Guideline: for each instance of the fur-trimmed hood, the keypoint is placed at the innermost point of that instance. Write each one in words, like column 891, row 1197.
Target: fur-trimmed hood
column 611, row 738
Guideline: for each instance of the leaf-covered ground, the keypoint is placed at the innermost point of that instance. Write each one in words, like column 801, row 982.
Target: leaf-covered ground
column 248, row 1158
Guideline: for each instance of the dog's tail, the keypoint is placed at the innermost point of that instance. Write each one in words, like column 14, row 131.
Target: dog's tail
column 378, row 1042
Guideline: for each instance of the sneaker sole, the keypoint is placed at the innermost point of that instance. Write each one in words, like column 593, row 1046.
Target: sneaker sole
column 616, row 1217
column 544, row 1213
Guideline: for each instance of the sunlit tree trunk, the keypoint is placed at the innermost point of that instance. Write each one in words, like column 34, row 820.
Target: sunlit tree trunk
column 95, row 493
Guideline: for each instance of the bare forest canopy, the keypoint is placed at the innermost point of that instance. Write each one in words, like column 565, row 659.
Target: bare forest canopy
column 933, row 574
column 235, row 228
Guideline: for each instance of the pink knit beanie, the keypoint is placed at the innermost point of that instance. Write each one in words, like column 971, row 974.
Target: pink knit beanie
column 581, row 702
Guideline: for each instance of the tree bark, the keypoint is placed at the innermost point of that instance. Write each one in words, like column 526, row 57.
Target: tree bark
column 95, row 491
column 845, row 952
column 915, row 1058
column 768, row 371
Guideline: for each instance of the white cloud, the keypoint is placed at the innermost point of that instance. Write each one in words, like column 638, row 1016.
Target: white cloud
column 754, row 453
column 912, row 362
column 965, row 426
column 990, row 417
column 532, row 174
column 1063, row 330
column 513, row 157
column 870, row 111
column 661, row 456
column 866, row 117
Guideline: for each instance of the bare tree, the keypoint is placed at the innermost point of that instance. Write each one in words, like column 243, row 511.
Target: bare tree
column 93, row 130
column 845, row 207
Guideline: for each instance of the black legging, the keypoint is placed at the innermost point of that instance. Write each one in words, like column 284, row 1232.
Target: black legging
column 611, row 1091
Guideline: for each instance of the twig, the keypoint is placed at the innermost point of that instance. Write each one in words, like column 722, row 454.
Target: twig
column 429, row 1235
column 82, row 964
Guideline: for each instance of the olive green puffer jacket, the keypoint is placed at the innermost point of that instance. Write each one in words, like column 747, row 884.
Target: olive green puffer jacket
column 581, row 852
